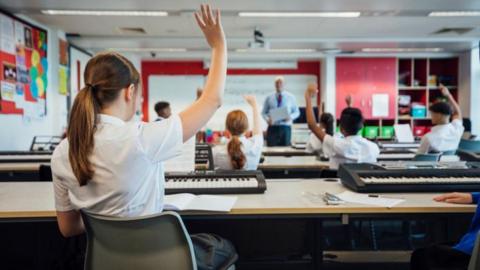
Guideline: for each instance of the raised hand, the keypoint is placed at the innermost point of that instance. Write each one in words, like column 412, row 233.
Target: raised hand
column 211, row 26
column 444, row 90
column 455, row 197
column 349, row 100
column 312, row 90
column 251, row 100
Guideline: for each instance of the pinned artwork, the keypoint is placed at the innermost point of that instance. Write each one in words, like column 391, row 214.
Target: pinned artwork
column 9, row 72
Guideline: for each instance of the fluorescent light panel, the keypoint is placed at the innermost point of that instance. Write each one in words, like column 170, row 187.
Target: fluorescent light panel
column 342, row 14
column 276, row 50
column 454, row 13
column 104, row 12
column 387, row 50
column 148, row 49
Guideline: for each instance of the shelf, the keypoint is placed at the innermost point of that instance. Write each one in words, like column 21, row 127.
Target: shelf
column 413, row 118
column 412, row 88
column 437, row 88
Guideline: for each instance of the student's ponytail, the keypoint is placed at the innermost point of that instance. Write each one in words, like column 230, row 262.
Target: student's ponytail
column 236, row 124
column 105, row 75
column 83, row 120
column 237, row 157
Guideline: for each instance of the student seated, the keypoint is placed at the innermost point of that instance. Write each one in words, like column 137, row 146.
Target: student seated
column 240, row 152
column 348, row 149
column 111, row 166
column 327, row 124
column 446, row 256
column 445, row 135
column 163, row 110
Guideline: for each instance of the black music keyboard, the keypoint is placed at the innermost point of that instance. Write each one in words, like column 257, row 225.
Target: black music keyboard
column 215, row 182
column 423, row 177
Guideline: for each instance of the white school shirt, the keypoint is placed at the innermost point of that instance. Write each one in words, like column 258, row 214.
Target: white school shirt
column 314, row 143
column 351, row 149
column 127, row 158
column 251, row 147
column 442, row 138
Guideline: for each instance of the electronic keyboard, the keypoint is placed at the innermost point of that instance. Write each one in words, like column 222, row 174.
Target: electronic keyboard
column 215, row 182
column 411, row 176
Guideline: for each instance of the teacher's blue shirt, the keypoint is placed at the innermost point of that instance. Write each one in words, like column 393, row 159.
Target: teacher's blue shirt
column 288, row 100
column 467, row 242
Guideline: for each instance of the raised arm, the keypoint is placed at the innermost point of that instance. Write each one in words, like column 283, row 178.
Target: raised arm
column 349, row 100
column 457, row 113
column 312, row 124
column 198, row 114
column 257, row 125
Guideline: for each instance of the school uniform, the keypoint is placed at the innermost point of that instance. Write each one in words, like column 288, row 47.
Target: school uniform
column 251, row 148
column 350, row 149
column 315, row 145
column 279, row 133
column 159, row 118
column 129, row 175
column 442, row 138
column 446, row 256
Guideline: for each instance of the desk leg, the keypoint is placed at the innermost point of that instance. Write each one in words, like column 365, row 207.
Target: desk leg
column 317, row 250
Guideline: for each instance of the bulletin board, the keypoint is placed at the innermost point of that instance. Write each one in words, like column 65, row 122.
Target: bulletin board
column 24, row 65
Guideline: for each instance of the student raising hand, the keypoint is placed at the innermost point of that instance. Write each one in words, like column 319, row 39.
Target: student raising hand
column 312, row 90
column 211, row 26
column 251, row 100
column 198, row 114
column 455, row 197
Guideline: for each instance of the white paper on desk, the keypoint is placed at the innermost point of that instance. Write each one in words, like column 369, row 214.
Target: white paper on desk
column 353, row 197
column 404, row 133
column 187, row 201
column 279, row 114
column 380, row 106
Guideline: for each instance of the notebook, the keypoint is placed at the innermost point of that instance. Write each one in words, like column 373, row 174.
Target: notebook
column 187, row 201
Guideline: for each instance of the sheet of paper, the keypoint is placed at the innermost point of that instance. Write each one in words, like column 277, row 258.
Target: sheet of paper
column 353, row 197
column 404, row 133
column 177, row 202
column 380, row 106
column 212, row 203
column 279, row 114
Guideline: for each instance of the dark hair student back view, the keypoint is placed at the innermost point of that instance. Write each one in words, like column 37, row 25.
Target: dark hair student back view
column 106, row 74
column 351, row 121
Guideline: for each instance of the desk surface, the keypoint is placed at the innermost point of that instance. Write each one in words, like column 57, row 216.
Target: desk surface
column 293, row 162
column 283, row 197
column 285, row 150
column 21, row 166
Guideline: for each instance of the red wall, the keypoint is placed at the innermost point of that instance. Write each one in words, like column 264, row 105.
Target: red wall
column 196, row 68
column 362, row 77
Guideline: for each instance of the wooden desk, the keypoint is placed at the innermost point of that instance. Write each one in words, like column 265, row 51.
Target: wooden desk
column 298, row 162
column 22, row 200
column 285, row 151
column 21, row 166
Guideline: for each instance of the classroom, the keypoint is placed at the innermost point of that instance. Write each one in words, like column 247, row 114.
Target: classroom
column 304, row 135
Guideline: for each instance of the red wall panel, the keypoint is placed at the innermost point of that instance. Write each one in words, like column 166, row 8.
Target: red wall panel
column 151, row 67
column 363, row 77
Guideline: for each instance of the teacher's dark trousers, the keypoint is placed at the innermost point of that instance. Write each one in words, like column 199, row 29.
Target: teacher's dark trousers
column 279, row 135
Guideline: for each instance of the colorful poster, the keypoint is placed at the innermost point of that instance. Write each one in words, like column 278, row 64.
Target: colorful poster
column 62, row 80
column 9, row 72
column 19, row 97
column 8, row 90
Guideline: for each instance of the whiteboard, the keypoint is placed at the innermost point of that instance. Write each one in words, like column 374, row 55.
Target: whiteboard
column 180, row 91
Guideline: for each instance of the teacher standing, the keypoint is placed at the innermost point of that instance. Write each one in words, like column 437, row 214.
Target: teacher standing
column 279, row 132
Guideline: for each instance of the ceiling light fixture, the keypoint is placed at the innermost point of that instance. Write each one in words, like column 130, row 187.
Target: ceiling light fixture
column 104, row 12
column 148, row 49
column 342, row 14
column 395, row 50
column 276, row 50
column 454, row 13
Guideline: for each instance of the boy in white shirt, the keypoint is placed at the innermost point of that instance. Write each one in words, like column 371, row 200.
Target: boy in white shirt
column 240, row 152
column 352, row 148
column 445, row 135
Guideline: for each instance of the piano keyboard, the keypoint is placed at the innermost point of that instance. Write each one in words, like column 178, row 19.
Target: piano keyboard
column 441, row 177
column 215, row 182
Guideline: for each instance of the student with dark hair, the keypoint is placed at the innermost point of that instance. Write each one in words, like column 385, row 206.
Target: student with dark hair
column 163, row 110
column 241, row 153
column 349, row 149
column 109, row 165
column 445, row 135
column 327, row 123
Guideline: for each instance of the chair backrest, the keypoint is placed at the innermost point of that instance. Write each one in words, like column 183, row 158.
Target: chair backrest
column 152, row 242
column 474, row 263
column 426, row 157
column 470, row 145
